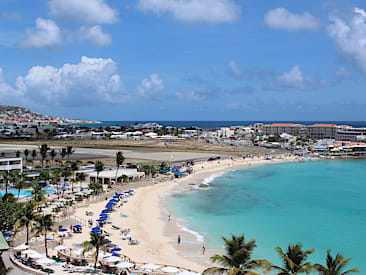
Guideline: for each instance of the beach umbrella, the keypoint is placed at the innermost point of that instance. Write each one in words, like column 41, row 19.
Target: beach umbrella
column 150, row 266
column 45, row 261
column 6, row 236
column 116, row 255
column 186, row 272
column 21, row 247
column 100, row 220
column 116, row 249
column 42, row 181
column 116, row 196
column 62, row 230
column 125, row 265
column 112, row 200
column 97, row 228
column 106, row 211
column 77, row 226
column 107, row 241
column 112, row 259
column 170, row 269
column 60, row 247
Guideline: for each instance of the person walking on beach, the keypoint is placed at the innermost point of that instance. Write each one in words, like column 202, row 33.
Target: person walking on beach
column 179, row 239
column 169, row 217
column 203, row 249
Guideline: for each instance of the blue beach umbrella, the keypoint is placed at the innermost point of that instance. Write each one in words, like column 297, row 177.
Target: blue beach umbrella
column 62, row 230
column 116, row 249
column 115, row 254
column 42, row 181
column 107, row 241
column 6, row 235
column 100, row 220
column 96, row 228
column 77, row 226
column 116, row 196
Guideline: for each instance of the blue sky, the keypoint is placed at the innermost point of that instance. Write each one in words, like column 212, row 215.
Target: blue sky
column 185, row 59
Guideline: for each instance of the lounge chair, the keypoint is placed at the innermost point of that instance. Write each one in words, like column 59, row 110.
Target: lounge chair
column 116, row 227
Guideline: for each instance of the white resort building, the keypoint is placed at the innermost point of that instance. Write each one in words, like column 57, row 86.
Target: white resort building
column 109, row 176
column 10, row 164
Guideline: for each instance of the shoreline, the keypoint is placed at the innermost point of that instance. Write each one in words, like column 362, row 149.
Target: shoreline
column 147, row 218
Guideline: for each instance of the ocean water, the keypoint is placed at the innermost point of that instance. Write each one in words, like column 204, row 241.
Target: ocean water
column 320, row 204
column 217, row 124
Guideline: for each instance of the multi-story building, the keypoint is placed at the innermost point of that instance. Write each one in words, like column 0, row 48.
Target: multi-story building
column 322, row 131
column 279, row 128
column 348, row 133
column 10, row 164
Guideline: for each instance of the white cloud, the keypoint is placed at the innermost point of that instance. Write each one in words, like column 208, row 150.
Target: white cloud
column 46, row 35
column 194, row 11
column 96, row 35
column 295, row 80
column 350, row 37
column 192, row 95
column 282, row 19
column 93, row 80
column 234, row 69
column 150, row 87
column 85, row 11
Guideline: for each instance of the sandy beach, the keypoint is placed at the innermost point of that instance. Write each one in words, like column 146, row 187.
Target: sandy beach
column 147, row 218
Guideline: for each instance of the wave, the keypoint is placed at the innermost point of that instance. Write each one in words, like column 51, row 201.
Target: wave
column 198, row 236
column 211, row 178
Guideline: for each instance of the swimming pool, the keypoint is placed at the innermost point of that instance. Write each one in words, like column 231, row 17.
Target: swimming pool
column 24, row 192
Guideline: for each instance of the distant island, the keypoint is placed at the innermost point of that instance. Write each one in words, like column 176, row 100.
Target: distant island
column 22, row 116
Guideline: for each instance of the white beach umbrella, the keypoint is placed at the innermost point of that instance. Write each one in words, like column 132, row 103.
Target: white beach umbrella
column 36, row 255
column 186, row 272
column 60, row 247
column 150, row 266
column 102, row 254
column 170, row 269
column 125, row 265
column 45, row 261
column 112, row 259
column 21, row 247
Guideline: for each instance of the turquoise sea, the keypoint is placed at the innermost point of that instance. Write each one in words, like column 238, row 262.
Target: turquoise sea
column 321, row 204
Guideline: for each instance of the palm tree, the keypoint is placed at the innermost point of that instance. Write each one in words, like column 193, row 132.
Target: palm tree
column 63, row 153
column 44, row 224
column 19, row 183
column 6, row 177
column 99, row 167
column 17, row 154
column 26, row 217
column 335, row 266
column 37, row 193
column 74, row 166
column 69, row 152
column 294, row 260
column 97, row 241
column 66, row 172
column 26, row 154
column 95, row 186
column 238, row 258
column 53, row 154
column 119, row 161
column 43, row 149
column 80, row 177
column 34, row 154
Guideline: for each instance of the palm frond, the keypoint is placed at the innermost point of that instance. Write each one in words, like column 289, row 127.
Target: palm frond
column 214, row 270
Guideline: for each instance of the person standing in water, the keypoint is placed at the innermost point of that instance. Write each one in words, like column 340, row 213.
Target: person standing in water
column 179, row 239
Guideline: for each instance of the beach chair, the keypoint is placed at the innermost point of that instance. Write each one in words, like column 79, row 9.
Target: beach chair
column 116, row 227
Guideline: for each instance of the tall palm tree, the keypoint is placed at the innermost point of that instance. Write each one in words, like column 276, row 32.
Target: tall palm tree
column 69, row 152
column 44, row 224
column 6, row 177
column 238, row 258
column 119, row 161
column 74, row 166
column 97, row 241
column 80, row 177
column 19, row 183
column 53, row 154
column 26, row 154
column 294, row 260
column 63, row 153
column 66, row 172
column 26, row 217
column 37, row 193
column 335, row 266
column 34, row 154
column 43, row 149
column 99, row 167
